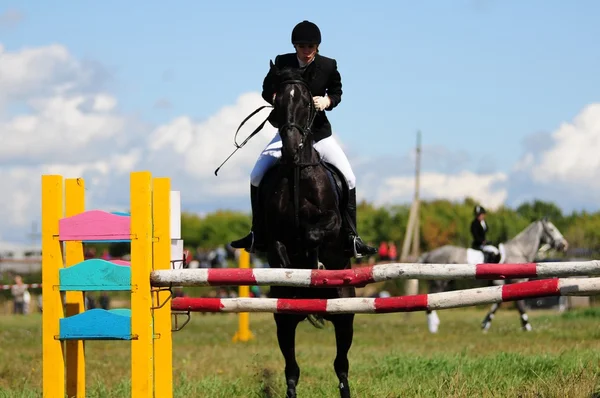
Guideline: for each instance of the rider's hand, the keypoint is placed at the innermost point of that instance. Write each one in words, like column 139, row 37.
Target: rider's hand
column 321, row 103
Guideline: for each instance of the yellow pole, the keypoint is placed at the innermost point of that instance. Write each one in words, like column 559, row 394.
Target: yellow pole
column 163, row 345
column 53, row 356
column 244, row 333
column 74, row 302
column 142, row 376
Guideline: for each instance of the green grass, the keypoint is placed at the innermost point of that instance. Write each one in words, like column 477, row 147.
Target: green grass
column 392, row 356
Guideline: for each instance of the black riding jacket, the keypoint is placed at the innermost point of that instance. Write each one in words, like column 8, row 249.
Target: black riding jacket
column 322, row 77
column 478, row 232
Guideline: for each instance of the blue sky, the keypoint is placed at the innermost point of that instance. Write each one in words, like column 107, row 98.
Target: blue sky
column 472, row 75
column 490, row 84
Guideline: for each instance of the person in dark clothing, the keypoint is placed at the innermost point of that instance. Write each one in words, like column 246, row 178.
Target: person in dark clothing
column 325, row 82
column 479, row 228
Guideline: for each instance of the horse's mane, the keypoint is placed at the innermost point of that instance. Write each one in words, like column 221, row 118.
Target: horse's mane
column 289, row 73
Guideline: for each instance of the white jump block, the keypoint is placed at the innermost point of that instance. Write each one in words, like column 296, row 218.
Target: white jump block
column 175, row 215
column 176, row 241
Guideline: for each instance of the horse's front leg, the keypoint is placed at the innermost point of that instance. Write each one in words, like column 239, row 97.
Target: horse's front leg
column 524, row 318
column 487, row 321
column 286, row 336
column 344, row 332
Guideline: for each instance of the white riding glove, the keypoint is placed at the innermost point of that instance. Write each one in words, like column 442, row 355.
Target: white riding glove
column 321, row 103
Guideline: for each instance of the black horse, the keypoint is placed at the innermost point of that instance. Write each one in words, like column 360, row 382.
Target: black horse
column 303, row 200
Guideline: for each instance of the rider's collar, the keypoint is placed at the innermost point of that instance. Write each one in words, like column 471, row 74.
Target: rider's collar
column 302, row 64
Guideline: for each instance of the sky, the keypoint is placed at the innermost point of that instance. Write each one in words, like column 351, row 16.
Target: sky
column 505, row 94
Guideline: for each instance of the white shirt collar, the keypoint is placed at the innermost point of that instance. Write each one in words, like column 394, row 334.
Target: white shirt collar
column 302, row 64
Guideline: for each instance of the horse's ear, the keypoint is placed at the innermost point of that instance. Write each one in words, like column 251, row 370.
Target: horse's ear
column 274, row 68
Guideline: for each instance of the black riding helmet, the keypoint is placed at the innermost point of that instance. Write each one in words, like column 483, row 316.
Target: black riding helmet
column 306, row 33
column 478, row 210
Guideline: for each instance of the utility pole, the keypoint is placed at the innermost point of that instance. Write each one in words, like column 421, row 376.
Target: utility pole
column 412, row 229
column 34, row 235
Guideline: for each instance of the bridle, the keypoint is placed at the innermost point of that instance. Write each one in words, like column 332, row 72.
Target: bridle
column 305, row 131
column 554, row 242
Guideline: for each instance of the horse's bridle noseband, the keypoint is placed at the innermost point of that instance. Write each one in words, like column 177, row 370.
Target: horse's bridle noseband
column 304, row 130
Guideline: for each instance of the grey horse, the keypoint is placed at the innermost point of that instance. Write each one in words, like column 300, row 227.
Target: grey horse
column 520, row 249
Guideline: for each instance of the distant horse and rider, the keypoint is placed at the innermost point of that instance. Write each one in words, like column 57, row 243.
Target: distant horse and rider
column 523, row 248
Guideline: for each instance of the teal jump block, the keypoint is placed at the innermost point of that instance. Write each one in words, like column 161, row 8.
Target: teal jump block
column 97, row 324
column 95, row 275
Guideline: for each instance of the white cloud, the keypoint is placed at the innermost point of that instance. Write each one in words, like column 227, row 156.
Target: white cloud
column 573, row 157
column 193, row 150
column 74, row 128
column 48, row 70
column 60, row 128
column 64, row 125
column 481, row 187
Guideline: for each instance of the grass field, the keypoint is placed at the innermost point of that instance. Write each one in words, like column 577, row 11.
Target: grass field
column 392, row 356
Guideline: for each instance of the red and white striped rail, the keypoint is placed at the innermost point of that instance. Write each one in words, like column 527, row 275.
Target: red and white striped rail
column 421, row 302
column 365, row 275
column 29, row 286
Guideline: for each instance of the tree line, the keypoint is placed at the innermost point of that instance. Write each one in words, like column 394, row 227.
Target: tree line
column 441, row 222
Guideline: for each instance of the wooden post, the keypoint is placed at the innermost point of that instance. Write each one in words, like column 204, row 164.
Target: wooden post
column 244, row 334
column 411, row 286
column 142, row 355
column 53, row 355
column 74, row 301
column 163, row 345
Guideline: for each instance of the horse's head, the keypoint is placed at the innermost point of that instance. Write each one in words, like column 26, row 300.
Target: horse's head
column 295, row 112
column 551, row 236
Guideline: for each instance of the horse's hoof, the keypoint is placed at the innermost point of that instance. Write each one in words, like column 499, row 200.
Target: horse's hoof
column 344, row 390
column 316, row 320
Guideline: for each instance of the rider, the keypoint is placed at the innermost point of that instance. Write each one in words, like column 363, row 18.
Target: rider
column 479, row 229
column 325, row 83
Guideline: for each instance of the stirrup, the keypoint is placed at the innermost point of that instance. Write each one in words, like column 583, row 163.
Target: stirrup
column 354, row 248
column 357, row 255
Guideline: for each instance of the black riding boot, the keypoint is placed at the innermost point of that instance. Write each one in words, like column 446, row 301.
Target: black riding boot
column 357, row 246
column 254, row 240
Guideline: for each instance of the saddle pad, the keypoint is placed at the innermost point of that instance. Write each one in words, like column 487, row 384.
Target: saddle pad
column 502, row 250
column 474, row 256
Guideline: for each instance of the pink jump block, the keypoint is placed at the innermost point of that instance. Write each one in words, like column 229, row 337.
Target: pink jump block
column 95, row 225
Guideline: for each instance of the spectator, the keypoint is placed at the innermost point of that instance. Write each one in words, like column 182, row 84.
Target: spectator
column 392, row 251
column 104, row 301
column 383, row 251
column 18, row 291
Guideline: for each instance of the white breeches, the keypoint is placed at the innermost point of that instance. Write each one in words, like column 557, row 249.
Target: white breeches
column 328, row 149
column 490, row 249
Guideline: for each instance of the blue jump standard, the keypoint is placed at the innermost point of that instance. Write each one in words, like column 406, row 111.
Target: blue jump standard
column 97, row 324
column 95, row 275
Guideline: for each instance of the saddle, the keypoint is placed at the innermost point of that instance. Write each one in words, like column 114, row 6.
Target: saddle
column 335, row 176
column 492, row 255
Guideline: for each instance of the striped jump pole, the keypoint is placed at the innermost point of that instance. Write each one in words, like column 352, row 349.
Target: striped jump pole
column 365, row 275
column 421, row 302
